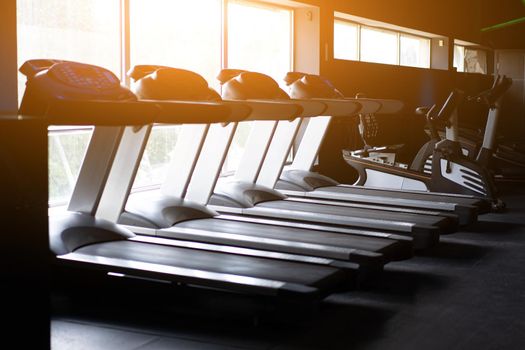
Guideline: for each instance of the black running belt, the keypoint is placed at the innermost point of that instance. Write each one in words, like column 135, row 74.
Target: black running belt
column 482, row 205
column 215, row 262
column 351, row 246
column 400, row 222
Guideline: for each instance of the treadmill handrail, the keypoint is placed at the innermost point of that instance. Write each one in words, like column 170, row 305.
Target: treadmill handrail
column 198, row 112
column 343, row 107
column 269, row 109
column 100, row 112
column 370, row 106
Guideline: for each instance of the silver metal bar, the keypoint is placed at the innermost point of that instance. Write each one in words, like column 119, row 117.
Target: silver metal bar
column 278, row 151
column 310, row 143
column 122, row 173
column 95, row 169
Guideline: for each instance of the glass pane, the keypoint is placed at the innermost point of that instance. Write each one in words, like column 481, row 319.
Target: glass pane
column 475, row 61
column 266, row 47
column 379, row 46
column 414, row 51
column 80, row 30
column 345, row 40
column 260, row 38
column 157, row 156
column 182, row 34
column 237, row 148
column 459, row 58
column 66, row 153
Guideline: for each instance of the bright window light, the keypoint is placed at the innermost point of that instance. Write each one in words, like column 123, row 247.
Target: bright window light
column 346, row 40
column 356, row 41
column 182, row 34
column 459, row 58
column 157, row 157
column 378, row 46
column 259, row 38
column 66, row 149
column 414, row 51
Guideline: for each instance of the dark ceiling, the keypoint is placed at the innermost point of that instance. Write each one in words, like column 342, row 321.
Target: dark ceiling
column 510, row 16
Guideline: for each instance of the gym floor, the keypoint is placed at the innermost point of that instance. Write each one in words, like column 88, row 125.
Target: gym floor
column 467, row 293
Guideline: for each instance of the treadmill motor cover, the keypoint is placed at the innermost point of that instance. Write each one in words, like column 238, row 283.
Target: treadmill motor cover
column 166, row 83
column 304, row 85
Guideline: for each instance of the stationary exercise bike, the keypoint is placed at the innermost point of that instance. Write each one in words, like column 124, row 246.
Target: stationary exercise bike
column 440, row 166
column 485, row 148
column 452, row 172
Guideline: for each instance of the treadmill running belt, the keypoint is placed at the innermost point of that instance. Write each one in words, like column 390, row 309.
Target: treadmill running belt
column 277, row 270
column 482, row 204
column 391, row 218
column 379, row 245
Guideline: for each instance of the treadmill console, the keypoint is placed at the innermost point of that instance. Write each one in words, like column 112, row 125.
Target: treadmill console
column 83, row 76
column 57, row 79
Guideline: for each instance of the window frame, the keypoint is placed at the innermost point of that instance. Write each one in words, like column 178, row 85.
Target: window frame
column 471, row 47
column 398, row 33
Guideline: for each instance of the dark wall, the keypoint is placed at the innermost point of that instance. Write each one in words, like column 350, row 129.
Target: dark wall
column 8, row 63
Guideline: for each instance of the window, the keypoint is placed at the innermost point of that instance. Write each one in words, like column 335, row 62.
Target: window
column 470, row 60
column 191, row 35
column 156, row 159
column 355, row 41
column 66, row 147
column 346, row 40
column 259, row 38
column 414, row 51
column 379, row 46
column 182, row 34
column 459, row 58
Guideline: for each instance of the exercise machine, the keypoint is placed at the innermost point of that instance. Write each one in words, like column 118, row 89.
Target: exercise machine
column 177, row 209
column 74, row 93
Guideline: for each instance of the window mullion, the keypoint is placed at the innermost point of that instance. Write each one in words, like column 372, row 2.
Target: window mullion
column 125, row 41
column 224, row 32
column 398, row 48
column 359, row 42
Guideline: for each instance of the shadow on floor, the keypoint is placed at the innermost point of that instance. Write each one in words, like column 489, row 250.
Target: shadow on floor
column 494, row 227
column 459, row 251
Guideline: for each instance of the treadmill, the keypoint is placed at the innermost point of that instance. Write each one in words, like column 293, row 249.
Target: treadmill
column 70, row 93
column 300, row 181
column 170, row 213
column 304, row 185
column 255, row 202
